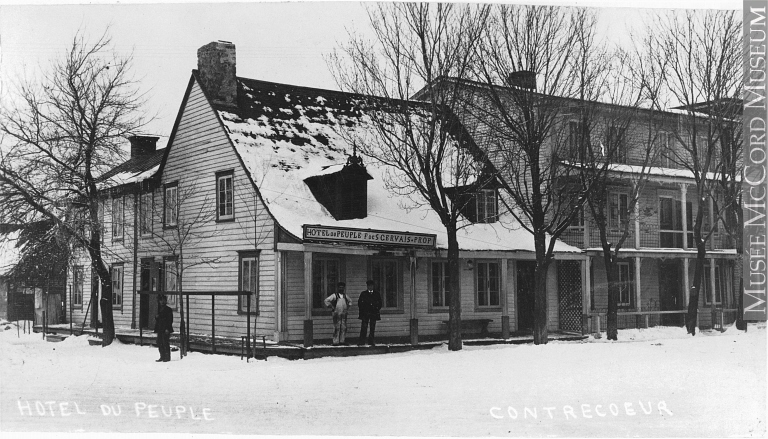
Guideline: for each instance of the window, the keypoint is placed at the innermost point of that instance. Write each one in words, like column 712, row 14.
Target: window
column 385, row 274
column 249, row 281
column 666, row 155
column 486, row 206
column 170, row 282
column 671, row 223
column 707, row 287
column 488, row 284
column 618, row 210
column 575, row 134
column 171, row 209
column 625, row 284
column 615, row 141
column 117, row 286
column 578, row 220
column 145, row 220
column 77, row 286
column 117, row 218
column 439, row 284
column 224, row 196
column 326, row 274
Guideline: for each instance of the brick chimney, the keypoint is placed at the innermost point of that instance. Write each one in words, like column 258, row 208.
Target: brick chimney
column 216, row 66
column 142, row 145
column 523, row 79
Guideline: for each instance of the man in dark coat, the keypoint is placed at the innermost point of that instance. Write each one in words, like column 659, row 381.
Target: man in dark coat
column 163, row 328
column 369, row 304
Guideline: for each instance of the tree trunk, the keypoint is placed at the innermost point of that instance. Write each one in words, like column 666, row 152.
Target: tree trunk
column 611, row 275
column 693, row 302
column 454, row 307
column 540, row 319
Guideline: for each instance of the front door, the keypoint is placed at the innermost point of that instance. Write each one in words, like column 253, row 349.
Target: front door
column 569, row 295
column 148, row 302
column 526, row 288
column 670, row 292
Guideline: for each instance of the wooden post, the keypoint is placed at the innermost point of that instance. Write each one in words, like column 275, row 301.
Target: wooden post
column 504, row 299
column 637, row 221
column 684, row 210
column 70, row 309
column 686, row 283
column 213, row 323
column 597, row 322
column 414, row 324
column 308, row 327
column 638, row 295
column 248, row 330
column 647, row 321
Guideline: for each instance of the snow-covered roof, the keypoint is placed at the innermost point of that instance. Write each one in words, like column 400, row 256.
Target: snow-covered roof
column 134, row 170
column 9, row 253
column 285, row 134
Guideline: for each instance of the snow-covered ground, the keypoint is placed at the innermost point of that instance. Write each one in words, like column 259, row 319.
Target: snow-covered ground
column 656, row 382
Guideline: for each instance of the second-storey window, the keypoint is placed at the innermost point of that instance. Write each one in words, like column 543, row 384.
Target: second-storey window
column 145, row 219
column 486, row 206
column 171, row 208
column 117, row 286
column 618, row 206
column 665, row 150
column 616, row 143
column 225, row 209
column 488, row 283
column 575, row 134
column 117, row 218
column 439, row 284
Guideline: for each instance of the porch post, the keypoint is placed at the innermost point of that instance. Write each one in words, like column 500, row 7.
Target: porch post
column 586, row 285
column 686, row 284
column 308, row 336
column 414, row 326
column 638, row 295
column 711, row 214
column 684, row 212
column 637, row 222
column 712, row 291
column 585, row 229
column 278, row 295
column 504, row 301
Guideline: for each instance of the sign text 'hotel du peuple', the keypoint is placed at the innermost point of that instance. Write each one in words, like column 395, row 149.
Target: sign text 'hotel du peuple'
column 326, row 234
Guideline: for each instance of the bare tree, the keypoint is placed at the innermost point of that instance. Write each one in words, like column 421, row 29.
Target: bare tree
column 183, row 219
column 698, row 55
column 532, row 61
column 417, row 48
column 60, row 134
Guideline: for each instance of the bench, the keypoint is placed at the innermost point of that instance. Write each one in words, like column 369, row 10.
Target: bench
column 472, row 326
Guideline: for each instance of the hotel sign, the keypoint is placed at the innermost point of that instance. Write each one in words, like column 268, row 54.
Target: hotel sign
column 341, row 235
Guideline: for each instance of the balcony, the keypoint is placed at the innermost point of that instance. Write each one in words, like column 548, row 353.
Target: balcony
column 650, row 237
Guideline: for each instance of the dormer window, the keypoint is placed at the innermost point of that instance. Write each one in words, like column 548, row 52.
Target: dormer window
column 487, row 211
column 343, row 190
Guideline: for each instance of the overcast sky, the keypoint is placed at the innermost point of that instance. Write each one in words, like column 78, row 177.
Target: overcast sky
column 280, row 42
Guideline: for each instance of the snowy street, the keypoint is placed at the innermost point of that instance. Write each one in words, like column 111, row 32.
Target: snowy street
column 662, row 383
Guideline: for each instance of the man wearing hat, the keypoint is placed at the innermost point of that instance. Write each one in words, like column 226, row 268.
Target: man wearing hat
column 369, row 303
column 163, row 328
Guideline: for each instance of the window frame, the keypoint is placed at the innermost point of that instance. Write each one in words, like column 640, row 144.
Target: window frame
column 666, row 155
column 118, row 221
column 173, row 299
column 719, row 284
column 223, row 176
column 443, row 288
column 482, row 199
column 253, row 257
column 574, row 139
column 118, row 299
column 174, row 186
column 78, row 280
column 629, row 282
column 330, row 287
column 615, row 196
column 146, row 211
column 618, row 135
column 477, row 269
column 399, row 309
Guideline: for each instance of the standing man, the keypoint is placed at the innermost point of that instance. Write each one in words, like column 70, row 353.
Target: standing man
column 163, row 328
column 369, row 303
column 339, row 304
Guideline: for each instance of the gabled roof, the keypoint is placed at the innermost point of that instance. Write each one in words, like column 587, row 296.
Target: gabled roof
column 284, row 134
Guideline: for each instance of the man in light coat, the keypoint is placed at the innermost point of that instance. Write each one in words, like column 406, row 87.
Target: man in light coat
column 339, row 303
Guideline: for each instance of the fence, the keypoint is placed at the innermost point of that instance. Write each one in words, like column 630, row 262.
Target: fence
column 650, row 237
column 648, row 319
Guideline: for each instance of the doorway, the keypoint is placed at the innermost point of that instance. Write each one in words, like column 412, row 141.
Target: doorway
column 148, row 302
column 526, row 288
column 670, row 292
column 569, row 295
